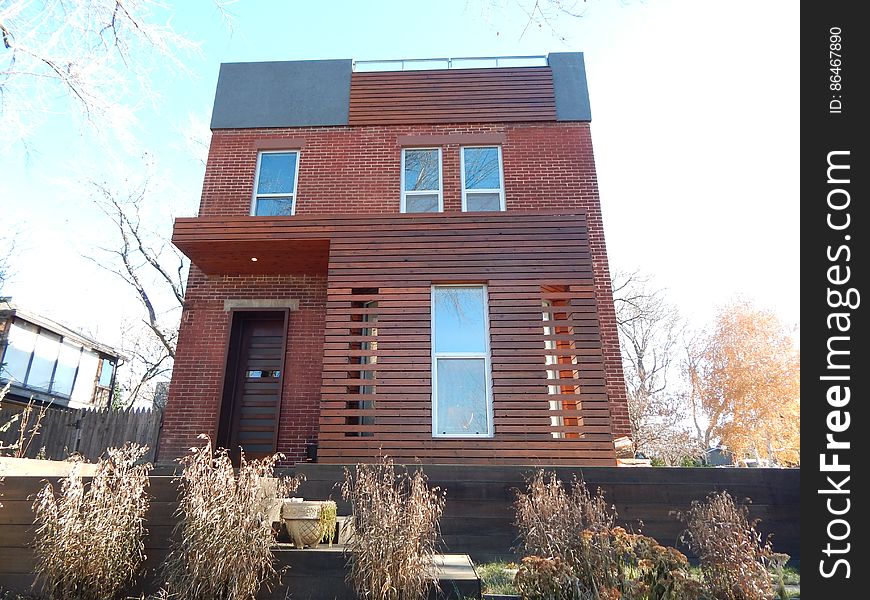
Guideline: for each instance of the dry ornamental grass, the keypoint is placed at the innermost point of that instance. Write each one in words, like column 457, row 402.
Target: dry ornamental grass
column 395, row 518
column 550, row 518
column 222, row 546
column 575, row 552
column 88, row 539
column 732, row 553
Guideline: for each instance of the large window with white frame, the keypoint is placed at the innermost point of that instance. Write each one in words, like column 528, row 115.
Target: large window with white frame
column 275, row 183
column 482, row 179
column 421, row 180
column 43, row 360
column 461, row 362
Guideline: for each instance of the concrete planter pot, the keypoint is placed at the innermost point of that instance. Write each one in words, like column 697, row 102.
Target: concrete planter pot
column 303, row 521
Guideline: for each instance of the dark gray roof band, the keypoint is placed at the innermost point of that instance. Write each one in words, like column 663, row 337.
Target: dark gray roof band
column 282, row 94
column 569, row 83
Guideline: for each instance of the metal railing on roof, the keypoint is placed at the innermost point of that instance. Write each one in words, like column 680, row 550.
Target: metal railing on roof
column 465, row 62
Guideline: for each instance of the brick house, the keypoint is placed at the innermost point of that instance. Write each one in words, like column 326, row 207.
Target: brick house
column 408, row 261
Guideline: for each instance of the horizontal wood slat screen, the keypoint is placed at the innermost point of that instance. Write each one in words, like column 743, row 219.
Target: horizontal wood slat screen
column 549, row 398
column 450, row 96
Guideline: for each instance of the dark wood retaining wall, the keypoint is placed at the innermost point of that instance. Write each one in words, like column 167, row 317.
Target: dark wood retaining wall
column 478, row 515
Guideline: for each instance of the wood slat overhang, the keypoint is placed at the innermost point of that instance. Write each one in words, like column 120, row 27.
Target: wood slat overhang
column 300, row 244
column 452, row 96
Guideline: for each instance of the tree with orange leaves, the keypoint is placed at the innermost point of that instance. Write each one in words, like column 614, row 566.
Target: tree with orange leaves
column 744, row 378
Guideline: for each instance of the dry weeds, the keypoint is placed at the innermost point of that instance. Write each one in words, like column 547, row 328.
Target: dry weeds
column 19, row 447
column 395, row 518
column 576, row 553
column 222, row 546
column 88, row 539
column 550, row 518
column 732, row 553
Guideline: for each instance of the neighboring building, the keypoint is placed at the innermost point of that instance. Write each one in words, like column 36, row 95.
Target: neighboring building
column 409, row 262
column 51, row 363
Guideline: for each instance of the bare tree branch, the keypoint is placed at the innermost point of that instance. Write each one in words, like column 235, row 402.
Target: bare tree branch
column 98, row 52
column 648, row 331
column 158, row 288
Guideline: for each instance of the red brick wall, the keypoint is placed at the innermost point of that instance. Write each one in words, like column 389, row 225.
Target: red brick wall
column 357, row 170
column 195, row 391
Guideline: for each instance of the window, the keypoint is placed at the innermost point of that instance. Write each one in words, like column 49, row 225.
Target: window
column 67, row 366
column 40, row 360
column 19, row 351
column 461, row 371
column 421, row 180
column 44, row 358
column 482, row 187
column 275, row 184
column 107, row 370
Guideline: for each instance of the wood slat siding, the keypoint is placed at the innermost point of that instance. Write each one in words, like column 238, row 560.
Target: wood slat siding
column 523, row 258
column 452, row 96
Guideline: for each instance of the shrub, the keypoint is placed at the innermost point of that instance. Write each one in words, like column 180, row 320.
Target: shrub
column 395, row 517
column 88, row 540
column 578, row 554
column 550, row 518
column 222, row 544
column 730, row 549
column 546, row 579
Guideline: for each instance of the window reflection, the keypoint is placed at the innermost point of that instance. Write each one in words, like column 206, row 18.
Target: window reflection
column 462, row 397
column 421, row 170
column 462, row 404
column 482, row 185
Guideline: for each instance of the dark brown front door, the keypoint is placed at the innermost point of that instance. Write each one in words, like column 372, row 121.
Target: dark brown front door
column 252, row 386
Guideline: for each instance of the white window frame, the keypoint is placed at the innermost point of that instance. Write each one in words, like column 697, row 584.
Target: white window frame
column 486, row 355
column 256, row 196
column 403, row 205
column 499, row 191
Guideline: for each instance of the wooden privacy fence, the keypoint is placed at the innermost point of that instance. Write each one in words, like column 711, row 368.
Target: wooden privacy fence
column 88, row 432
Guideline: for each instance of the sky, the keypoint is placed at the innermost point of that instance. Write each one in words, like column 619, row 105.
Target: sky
column 694, row 127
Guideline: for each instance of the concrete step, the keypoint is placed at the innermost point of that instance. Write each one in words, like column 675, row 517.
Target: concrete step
column 319, row 574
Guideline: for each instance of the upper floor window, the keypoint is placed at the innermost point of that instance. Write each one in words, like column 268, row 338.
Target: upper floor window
column 482, row 181
column 421, row 180
column 275, row 184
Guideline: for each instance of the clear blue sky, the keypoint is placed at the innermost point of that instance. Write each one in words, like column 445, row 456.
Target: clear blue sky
column 695, row 129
